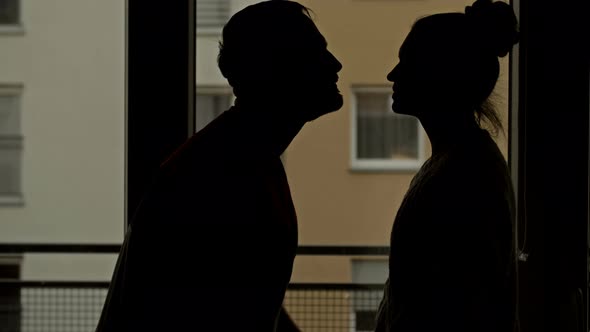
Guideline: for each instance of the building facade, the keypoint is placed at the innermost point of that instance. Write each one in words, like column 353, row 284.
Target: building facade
column 62, row 145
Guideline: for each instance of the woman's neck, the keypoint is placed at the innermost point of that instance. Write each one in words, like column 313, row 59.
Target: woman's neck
column 448, row 131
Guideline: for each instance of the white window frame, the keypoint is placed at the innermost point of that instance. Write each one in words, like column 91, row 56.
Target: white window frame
column 380, row 165
column 14, row 28
column 15, row 90
column 358, row 278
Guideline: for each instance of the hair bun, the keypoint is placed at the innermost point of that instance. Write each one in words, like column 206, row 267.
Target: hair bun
column 495, row 24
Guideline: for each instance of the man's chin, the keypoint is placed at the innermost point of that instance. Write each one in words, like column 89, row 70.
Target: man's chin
column 337, row 103
column 398, row 109
column 327, row 107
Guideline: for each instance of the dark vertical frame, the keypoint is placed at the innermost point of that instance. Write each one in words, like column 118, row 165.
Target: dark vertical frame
column 513, row 106
column 553, row 165
column 11, row 309
column 515, row 134
column 160, row 85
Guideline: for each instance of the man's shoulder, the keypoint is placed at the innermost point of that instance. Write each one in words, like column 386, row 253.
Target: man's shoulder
column 204, row 147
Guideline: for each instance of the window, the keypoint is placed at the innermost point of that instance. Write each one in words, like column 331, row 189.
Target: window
column 212, row 14
column 9, row 15
column 382, row 139
column 366, row 303
column 211, row 102
column 10, row 145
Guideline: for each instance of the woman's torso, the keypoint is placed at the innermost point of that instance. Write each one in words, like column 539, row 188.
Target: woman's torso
column 452, row 235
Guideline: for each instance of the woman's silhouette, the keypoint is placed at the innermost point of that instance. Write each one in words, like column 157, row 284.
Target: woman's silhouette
column 452, row 264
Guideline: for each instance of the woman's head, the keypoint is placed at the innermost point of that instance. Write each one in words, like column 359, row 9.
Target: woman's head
column 450, row 61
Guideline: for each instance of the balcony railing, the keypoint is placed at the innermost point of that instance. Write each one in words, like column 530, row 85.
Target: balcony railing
column 75, row 306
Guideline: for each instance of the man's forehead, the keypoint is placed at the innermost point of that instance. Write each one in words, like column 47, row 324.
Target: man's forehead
column 293, row 34
column 307, row 34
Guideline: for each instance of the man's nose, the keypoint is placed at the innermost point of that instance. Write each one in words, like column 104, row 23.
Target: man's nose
column 393, row 74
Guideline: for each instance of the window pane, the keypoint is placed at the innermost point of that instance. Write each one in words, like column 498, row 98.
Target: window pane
column 9, row 114
column 210, row 106
column 10, row 168
column 10, row 146
column 383, row 134
column 402, row 137
column 9, row 12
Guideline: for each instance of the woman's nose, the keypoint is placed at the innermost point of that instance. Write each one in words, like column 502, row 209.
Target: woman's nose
column 335, row 62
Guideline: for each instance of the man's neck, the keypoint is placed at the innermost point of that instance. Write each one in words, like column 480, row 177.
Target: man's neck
column 271, row 129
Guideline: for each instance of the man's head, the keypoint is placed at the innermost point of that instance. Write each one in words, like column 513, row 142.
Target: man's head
column 272, row 52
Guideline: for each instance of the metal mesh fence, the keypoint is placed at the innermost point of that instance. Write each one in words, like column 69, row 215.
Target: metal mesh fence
column 76, row 307
column 50, row 306
column 333, row 307
column 61, row 309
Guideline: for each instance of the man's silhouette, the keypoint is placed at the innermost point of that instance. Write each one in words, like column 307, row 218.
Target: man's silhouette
column 212, row 245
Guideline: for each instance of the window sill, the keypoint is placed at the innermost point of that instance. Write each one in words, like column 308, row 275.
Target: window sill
column 15, row 200
column 385, row 166
column 12, row 30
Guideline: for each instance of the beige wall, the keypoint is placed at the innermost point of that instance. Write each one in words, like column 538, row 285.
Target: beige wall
column 70, row 61
column 337, row 206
